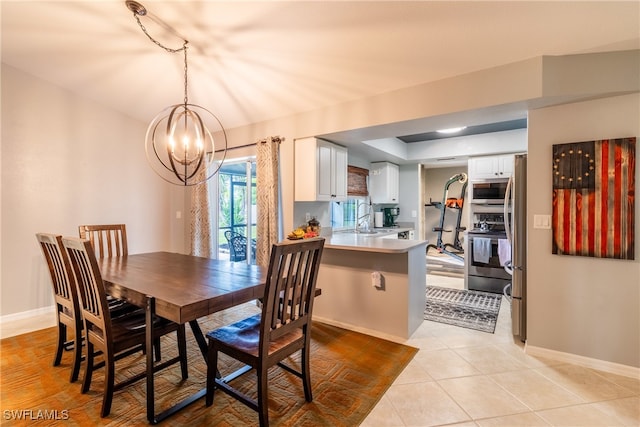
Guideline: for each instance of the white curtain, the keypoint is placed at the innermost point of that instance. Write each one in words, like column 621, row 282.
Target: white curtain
column 268, row 197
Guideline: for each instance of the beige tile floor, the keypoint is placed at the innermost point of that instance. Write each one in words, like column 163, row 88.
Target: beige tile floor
column 462, row 377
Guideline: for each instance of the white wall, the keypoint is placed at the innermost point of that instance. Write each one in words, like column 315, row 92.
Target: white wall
column 67, row 161
column 580, row 305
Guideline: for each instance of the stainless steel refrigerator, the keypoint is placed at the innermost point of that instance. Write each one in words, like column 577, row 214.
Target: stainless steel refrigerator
column 515, row 216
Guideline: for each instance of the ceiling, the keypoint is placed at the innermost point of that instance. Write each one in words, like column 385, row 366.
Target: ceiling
column 256, row 61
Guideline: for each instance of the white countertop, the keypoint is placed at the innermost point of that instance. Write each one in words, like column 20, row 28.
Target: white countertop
column 373, row 242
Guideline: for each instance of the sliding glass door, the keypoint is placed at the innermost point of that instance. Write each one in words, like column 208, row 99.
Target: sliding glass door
column 237, row 210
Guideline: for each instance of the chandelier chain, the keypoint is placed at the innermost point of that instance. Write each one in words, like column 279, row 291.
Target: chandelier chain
column 170, row 50
column 186, row 69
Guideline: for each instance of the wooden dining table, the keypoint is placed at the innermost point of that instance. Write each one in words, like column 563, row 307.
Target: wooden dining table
column 180, row 288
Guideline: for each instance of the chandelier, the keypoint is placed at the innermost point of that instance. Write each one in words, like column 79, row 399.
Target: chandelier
column 179, row 143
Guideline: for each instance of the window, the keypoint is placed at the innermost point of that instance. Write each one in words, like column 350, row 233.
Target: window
column 344, row 215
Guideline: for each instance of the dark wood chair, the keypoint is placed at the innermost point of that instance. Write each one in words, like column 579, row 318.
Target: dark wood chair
column 113, row 337
column 67, row 301
column 109, row 240
column 283, row 327
column 65, row 294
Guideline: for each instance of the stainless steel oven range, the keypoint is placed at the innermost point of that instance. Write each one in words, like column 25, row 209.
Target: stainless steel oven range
column 485, row 259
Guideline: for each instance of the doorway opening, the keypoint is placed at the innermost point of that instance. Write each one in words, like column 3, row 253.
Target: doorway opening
column 445, row 217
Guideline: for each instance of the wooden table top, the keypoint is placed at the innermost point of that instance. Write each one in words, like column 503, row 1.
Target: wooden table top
column 185, row 287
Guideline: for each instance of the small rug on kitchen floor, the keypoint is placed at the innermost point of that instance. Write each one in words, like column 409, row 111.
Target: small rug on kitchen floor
column 459, row 307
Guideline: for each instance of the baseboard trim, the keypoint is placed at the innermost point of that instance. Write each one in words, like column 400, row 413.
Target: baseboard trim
column 25, row 315
column 371, row 332
column 587, row 362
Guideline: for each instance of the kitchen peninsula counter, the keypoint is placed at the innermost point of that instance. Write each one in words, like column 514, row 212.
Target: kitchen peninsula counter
column 381, row 241
column 373, row 284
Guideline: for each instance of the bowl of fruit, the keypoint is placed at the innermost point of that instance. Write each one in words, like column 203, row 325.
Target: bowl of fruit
column 306, row 231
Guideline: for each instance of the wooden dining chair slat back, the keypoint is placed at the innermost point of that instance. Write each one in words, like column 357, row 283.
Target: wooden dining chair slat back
column 115, row 337
column 109, row 240
column 281, row 329
column 288, row 303
column 93, row 296
column 66, row 299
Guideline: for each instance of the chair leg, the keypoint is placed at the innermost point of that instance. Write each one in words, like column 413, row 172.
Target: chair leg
column 156, row 349
column 306, row 374
column 77, row 355
column 62, row 337
column 182, row 351
column 88, row 371
column 263, row 397
column 109, row 385
column 212, row 367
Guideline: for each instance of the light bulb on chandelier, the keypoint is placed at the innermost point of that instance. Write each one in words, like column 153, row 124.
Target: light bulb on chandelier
column 180, row 142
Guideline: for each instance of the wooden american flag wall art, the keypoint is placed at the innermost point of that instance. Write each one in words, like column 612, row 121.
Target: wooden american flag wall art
column 593, row 198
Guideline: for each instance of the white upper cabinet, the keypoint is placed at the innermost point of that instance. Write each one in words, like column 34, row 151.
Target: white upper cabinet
column 491, row 167
column 320, row 171
column 384, row 182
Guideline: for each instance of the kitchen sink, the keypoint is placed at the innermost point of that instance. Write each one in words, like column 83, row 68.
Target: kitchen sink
column 366, row 232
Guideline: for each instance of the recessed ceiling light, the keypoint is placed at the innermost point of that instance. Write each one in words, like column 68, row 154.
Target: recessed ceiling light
column 451, row 130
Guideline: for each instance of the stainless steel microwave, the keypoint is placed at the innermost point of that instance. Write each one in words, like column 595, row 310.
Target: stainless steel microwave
column 488, row 192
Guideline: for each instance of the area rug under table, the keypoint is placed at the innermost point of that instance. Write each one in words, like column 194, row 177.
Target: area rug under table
column 350, row 372
column 468, row 309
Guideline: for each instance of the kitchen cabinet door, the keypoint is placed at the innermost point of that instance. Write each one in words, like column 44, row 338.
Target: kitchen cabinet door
column 320, row 171
column 384, row 180
column 505, row 165
column 491, row 167
column 340, row 173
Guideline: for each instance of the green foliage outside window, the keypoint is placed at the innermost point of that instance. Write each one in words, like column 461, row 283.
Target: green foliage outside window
column 232, row 209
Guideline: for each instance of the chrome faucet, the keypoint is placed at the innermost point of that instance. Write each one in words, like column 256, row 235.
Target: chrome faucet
column 359, row 222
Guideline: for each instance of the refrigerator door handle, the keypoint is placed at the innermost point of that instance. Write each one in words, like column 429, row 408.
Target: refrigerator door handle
column 507, row 202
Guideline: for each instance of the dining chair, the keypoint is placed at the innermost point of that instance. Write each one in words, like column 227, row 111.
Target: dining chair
column 65, row 294
column 237, row 245
column 113, row 337
column 109, row 240
column 67, row 301
column 281, row 329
